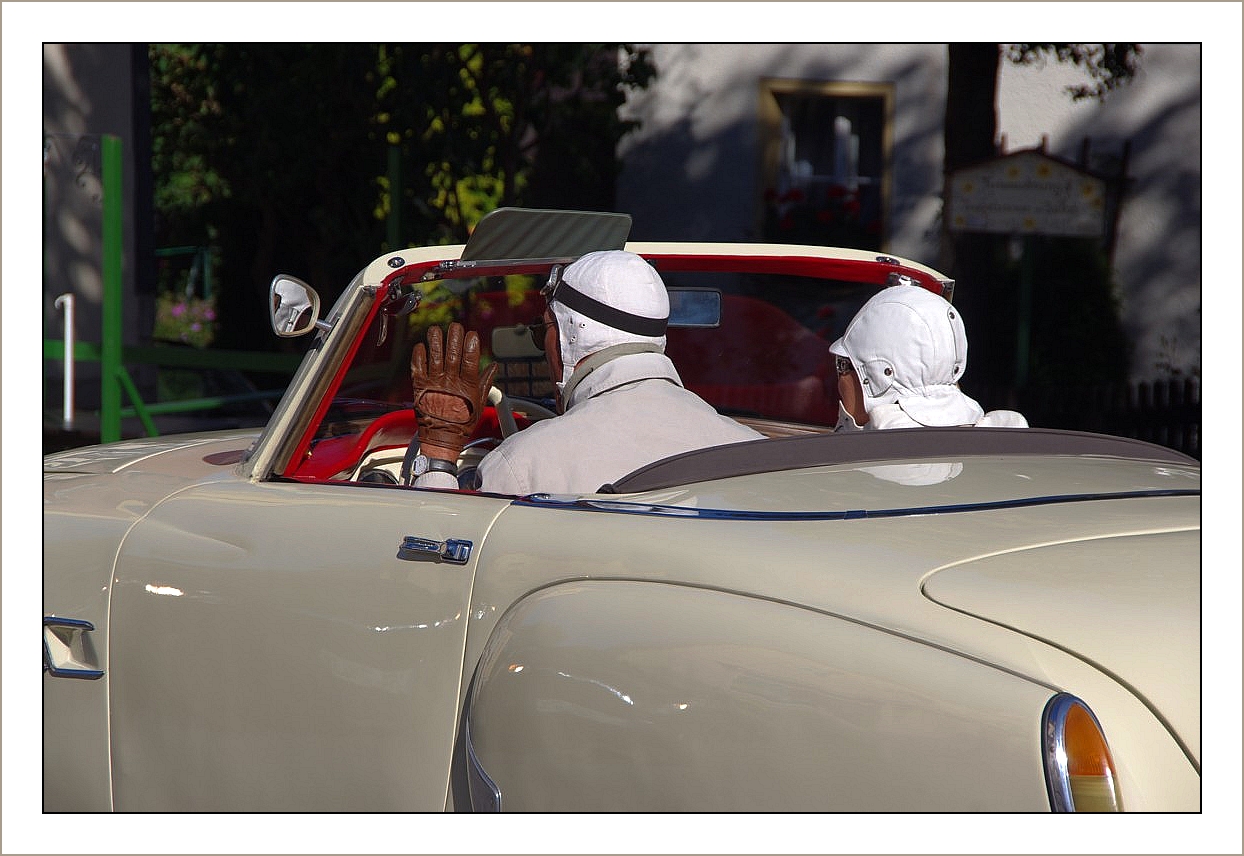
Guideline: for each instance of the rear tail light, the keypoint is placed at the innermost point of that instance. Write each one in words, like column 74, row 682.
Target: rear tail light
column 1078, row 767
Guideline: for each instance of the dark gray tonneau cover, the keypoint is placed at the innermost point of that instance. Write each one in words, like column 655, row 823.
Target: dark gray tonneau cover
column 818, row 450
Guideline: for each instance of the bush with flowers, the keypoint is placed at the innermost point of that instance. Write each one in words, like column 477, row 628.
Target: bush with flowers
column 185, row 318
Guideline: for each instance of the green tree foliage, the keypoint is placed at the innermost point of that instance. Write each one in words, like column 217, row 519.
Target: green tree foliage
column 313, row 159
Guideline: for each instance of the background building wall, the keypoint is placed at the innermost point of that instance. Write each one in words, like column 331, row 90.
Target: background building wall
column 691, row 171
column 1157, row 261
column 90, row 90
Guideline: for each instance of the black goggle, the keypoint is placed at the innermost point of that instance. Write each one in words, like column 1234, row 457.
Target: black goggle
column 558, row 290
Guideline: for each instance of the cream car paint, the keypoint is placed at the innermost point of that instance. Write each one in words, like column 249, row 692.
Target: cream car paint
column 629, row 696
column 102, row 510
column 867, row 571
column 279, row 628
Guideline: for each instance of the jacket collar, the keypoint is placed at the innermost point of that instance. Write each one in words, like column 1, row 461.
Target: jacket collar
column 617, row 366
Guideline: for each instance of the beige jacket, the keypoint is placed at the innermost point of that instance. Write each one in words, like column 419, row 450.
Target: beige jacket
column 629, row 412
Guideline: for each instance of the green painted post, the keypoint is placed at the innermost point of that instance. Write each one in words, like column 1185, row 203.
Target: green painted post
column 111, row 335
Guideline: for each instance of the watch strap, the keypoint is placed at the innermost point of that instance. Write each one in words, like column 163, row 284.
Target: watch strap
column 438, row 465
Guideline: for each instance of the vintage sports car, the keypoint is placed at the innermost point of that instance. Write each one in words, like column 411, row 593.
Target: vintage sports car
column 913, row 620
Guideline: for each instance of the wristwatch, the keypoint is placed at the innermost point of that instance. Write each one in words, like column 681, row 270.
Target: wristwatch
column 424, row 464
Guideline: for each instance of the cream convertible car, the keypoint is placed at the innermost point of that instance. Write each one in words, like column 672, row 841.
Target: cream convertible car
column 927, row 620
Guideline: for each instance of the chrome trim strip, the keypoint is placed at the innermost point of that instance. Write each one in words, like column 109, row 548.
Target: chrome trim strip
column 485, row 795
column 543, row 500
column 1054, row 750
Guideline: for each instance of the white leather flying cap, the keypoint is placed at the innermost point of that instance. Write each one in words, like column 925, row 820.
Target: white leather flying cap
column 909, row 347
column 608, row 298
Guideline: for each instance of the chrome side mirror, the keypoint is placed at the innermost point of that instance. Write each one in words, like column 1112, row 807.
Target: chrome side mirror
column 293, row 307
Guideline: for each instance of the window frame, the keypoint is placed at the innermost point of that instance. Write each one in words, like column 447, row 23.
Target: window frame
column 770, row 121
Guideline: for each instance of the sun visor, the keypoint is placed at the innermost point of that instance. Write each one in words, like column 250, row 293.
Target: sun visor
column 526, row 233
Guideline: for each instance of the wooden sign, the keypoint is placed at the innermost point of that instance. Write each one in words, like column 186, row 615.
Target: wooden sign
column 1026, row 193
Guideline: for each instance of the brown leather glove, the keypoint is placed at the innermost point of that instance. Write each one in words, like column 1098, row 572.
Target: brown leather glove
column 449, row 394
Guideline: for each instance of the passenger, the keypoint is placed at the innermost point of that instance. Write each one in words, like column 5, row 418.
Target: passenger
column 623, row 404
column 899, row 364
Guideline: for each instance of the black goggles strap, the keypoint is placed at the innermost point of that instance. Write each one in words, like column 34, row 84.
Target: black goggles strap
column 566, row 295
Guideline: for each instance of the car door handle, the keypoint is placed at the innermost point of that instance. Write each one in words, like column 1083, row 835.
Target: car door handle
column 454, row 551
column 67, row 651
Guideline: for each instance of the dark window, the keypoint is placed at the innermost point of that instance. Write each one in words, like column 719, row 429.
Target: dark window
column 826, row 163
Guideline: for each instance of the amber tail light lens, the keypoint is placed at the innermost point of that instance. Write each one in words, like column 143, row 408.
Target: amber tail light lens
column 1079, row 770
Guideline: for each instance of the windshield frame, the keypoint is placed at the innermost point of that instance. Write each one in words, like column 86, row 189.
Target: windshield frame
column 291, row 430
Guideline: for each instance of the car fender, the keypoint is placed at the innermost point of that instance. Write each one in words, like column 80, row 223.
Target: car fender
column 99, row 511
column 617, row 695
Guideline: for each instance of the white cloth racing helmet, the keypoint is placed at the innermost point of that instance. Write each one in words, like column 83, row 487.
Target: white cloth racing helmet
column 909, row 348
column 604, row 299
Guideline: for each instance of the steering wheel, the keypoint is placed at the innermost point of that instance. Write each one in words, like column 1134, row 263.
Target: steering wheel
column 504, row 406
column 505, row 411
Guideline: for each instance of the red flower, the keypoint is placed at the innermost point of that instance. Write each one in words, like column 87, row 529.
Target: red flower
column 836, row 191
column 825, row 215
column 793, row 195
column 852, row 207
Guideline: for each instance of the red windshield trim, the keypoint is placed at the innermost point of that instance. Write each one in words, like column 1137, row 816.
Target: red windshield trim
column 400, row 276
column 304, row 444
column 300, row 453
column 851, row 270
column 866, row 271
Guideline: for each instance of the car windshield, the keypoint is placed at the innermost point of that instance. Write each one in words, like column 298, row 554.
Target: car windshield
column 767, row 358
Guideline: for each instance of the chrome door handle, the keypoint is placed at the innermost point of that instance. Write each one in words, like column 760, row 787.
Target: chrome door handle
column 67, row 652
column 453, row 551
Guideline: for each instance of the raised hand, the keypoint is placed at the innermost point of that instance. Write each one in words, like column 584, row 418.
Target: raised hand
column 449, row 393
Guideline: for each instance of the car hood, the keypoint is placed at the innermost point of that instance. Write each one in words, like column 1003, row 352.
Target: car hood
column 1042, row 592
column 209, row 449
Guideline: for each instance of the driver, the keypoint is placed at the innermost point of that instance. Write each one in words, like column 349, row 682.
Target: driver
column 899, row 364
column 623, row 404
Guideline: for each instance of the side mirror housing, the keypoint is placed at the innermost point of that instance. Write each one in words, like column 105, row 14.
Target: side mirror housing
column 293, row 307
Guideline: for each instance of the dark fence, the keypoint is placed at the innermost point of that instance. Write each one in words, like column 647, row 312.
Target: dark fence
column 1166, row 412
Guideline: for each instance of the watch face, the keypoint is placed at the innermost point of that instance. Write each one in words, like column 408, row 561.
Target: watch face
column 421, row 465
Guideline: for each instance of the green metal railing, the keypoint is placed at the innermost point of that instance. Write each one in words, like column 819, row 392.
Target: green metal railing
column 113, row 356
column 110, row 423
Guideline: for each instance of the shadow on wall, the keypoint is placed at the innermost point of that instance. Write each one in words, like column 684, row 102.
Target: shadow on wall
column 1157, row 259
column 72, row 187
column 697, row 177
